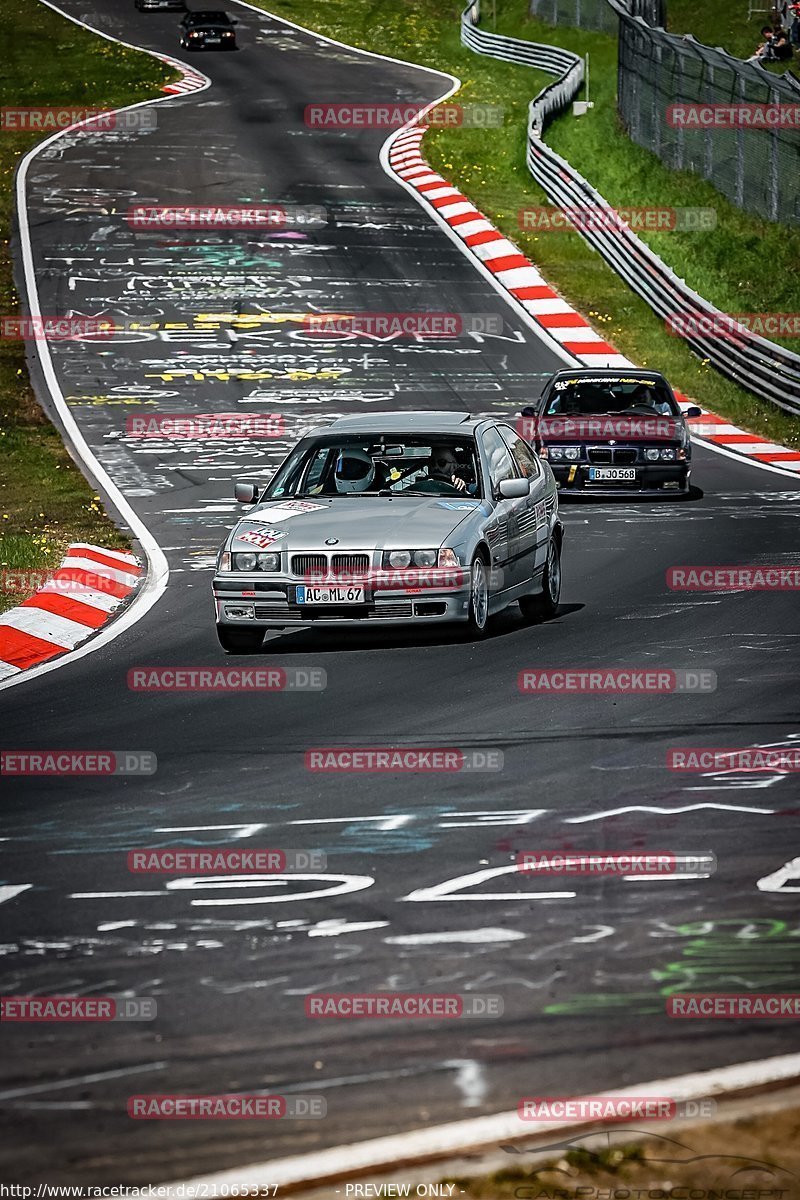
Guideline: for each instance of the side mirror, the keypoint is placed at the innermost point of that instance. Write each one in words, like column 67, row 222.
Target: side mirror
column 245, row 493
column 514, row 489
column 694, row 411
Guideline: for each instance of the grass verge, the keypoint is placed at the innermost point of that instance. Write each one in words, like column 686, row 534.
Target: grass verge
column 735, row 266
column 749, row 1157
column 45, row 502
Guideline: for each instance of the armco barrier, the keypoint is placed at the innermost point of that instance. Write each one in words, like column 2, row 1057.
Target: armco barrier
column 756, row 364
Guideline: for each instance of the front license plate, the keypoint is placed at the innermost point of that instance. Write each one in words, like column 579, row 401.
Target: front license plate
column 329, row 595
column 613, row 474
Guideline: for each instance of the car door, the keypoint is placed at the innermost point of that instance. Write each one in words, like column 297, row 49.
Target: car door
column 533, row 516
column 503, row 529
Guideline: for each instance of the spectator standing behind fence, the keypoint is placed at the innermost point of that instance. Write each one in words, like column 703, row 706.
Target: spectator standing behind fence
column 774, row 48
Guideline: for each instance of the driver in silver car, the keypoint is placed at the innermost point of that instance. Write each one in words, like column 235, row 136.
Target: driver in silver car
column 443, row 466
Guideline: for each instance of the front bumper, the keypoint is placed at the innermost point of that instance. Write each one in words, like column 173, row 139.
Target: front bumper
column 655, row 479
column 273, row 606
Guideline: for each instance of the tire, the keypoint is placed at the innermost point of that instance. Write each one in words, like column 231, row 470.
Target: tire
column 240, row 641
column 544, row 605
column 478, row 618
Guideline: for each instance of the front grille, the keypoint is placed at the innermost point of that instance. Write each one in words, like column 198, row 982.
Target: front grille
column 266, row 612
column 310, row 564
column 400, row 608
column 350, row 564
column 350, row 612
column 333, row 612
column 606, row 454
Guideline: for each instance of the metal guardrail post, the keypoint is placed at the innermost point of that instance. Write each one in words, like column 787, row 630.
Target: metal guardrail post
column 708, row 147
column 774, row 187
column 742, row 90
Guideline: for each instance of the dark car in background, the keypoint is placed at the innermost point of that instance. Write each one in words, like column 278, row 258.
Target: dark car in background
column 611, row 432
column 208, row 29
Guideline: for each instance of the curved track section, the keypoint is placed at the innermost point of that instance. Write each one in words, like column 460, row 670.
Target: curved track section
column 417, row 893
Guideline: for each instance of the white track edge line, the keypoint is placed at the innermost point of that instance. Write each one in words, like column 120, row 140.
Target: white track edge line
column 512, row 301
column 743, row 458
column 440, row 1142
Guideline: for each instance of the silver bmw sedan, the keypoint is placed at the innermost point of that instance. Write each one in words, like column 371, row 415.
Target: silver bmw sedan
column 408, row 518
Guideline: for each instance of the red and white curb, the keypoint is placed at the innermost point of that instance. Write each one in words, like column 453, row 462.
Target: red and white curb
column 192, row 81
column 719, row 431
column 517, row 275
column 77, row 600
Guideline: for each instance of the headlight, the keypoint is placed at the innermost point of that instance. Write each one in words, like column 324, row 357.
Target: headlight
column 652, row 455
column 399, row 559
column 448, row 558
column 572, row 453
column 555, row 452
column 269, row 562
column 245, row 562
column 256, row 562
column 668, row 455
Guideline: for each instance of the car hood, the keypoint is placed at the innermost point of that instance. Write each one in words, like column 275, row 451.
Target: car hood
column 412, row 522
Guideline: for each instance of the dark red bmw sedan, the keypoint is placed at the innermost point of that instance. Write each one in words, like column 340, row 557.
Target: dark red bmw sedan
column 611, row 432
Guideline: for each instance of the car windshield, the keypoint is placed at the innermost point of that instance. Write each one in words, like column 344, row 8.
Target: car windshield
column 379, row 464
column 591, row 397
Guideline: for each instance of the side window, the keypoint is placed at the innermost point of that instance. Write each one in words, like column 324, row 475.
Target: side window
column 521, row 453
column 315, row 468
column 501, row 465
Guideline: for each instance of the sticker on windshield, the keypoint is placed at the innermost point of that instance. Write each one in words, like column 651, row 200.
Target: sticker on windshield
column 609, row 380
column 263, row 538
